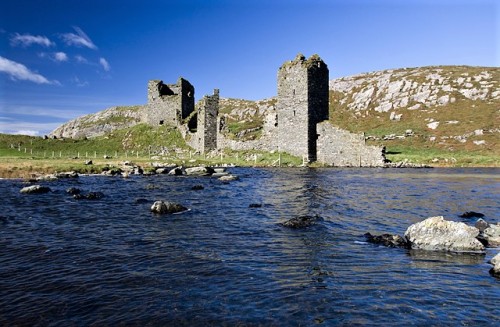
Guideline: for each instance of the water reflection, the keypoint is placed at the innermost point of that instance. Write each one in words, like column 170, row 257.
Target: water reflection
column 435, row 259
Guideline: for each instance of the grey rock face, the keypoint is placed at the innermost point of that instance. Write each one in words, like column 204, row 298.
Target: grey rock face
column 35, row 189
column 495, row 271
column 165, row 207
column 99, row 123
column 438, row 234
column 199, row 171
column 492, row 235
column 228, row 178
column 389, row 240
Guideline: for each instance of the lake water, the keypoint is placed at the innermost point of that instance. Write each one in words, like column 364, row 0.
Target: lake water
column 112, row 262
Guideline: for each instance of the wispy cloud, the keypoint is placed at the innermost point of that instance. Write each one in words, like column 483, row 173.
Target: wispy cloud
column 55, row 56
column 104, row 63
column 81, row 59
column 80, row 39
column 79, row 82
column 18, row 71
column 26, row 40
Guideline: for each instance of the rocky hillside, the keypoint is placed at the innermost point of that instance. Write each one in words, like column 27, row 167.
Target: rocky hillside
column 100, row 123
column 447, row 107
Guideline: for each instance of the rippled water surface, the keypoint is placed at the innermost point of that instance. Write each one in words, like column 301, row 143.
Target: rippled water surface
column 112, row 262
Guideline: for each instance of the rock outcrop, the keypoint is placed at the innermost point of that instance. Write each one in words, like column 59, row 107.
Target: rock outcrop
column 492, row 235
column 389, row 240
column 438, row 234
column 495, row 271
column 100, row 123
column 166, row 207
column 301, row 222
column 35, row 189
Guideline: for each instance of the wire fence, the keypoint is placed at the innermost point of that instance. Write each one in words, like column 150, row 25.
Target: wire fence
column 255, row 158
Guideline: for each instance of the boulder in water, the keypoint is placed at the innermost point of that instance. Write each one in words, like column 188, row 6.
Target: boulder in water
column 471, row 214
column 199, row 171
column 301, row 222
column 73, row 190
column 495, row 271
column 389, row 240
column 228, row 178
column 492, row 235
column 166, row 207
column 438, row 234
column 89, row 196
column 35, row 189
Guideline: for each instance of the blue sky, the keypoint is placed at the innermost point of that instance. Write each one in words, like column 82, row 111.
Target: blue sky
column 63, row 59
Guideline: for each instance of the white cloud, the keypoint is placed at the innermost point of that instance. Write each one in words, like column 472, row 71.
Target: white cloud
column 79, row 82
column 81, row 59
column 104, row 63
column 18, row 71
column 60, row 56
column 79, row 40
column 28, row 39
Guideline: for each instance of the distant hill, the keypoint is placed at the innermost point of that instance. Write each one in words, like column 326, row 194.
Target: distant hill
column 447, row 108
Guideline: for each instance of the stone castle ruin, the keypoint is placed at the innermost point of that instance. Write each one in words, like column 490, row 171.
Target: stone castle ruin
column 298, row 124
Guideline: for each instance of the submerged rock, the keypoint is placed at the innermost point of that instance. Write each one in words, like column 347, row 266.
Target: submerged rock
column 89, row 196
column 165, row 207
column 471, row 214
column 228, row 178
column 301, row 221
column 389, row 240
column 35, row 189
column 73, row 190
column 255, row 205
column 197, row 187
column 437, row 234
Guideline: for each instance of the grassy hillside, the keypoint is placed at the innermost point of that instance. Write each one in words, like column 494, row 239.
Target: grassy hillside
column 452, row 113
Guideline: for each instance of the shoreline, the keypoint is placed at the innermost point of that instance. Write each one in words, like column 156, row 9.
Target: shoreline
column 13, row 171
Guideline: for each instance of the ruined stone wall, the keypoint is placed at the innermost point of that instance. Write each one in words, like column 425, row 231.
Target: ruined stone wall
column 168, row 103
column 208, row 110
column 302, row 103
column 340, row 148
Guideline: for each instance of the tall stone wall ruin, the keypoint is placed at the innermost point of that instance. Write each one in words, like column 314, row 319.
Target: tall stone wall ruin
column 169, row 103
column 208, row 111
column 302, row 103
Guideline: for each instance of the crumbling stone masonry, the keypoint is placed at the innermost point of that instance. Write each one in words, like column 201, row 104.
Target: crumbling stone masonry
column 208, row 110
column 303, row 126
column 302, row 104
column 169, row 103
column 298, row 124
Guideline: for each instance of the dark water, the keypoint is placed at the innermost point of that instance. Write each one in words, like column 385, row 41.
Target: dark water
column 112, row 262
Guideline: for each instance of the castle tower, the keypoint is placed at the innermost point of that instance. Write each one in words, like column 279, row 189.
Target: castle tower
column 302, row 103
column 169, row 103
column 208, row 111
